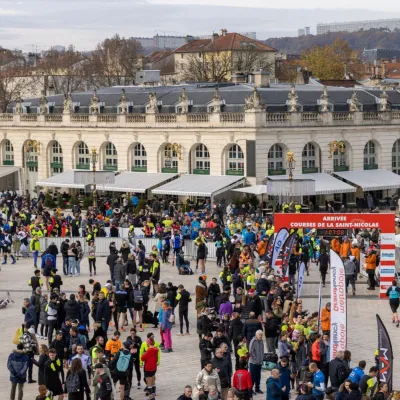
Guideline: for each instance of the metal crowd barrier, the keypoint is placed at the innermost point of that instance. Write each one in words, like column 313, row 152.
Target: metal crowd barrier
column 102, row 245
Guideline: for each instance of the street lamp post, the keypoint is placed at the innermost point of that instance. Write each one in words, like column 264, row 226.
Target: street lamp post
column 291, row 165
column 94, row 157
column 30, row 146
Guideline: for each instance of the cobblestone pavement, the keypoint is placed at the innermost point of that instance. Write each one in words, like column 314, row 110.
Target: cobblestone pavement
column 180, row 368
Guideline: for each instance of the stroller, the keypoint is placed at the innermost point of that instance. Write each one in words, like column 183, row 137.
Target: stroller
column 5, row 302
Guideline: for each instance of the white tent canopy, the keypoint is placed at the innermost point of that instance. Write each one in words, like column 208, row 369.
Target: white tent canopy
column 137, row 182
column 63, row 180
column 324, row 183
column 373, row 179
column 257, row 190
column 199, row 185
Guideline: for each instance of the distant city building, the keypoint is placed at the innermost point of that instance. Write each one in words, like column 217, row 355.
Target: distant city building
column 370, row 55
column 161, row 41
column 304, row 31
column 353, row 26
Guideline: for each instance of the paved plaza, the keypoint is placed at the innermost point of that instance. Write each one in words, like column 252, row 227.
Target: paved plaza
column 180, row 368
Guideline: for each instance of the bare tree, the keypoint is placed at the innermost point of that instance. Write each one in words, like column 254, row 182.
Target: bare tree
column 217, row 66
column 114, row 62
column 249, row 59
column 15, row 80
column 65, row 70
column 213, row 67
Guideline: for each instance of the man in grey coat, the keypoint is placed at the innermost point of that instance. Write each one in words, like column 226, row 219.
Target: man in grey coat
column 350, row 270
column 119, row 273
column 256, row 351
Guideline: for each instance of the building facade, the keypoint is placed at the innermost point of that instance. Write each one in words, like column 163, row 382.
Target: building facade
column 233, row 130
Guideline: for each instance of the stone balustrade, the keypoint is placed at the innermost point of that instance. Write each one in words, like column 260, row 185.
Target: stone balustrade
column 257, row 118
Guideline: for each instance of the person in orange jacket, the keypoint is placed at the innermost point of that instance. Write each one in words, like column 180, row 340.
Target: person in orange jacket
column 345, row 247
column 262, row 246
column 370, row 260
column 355, row 252
column 326, row 319
column 335, row 244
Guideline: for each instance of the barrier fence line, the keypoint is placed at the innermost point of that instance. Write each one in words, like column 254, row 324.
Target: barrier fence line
column 102, row 245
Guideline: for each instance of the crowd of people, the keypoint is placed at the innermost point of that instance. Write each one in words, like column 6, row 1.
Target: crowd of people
column 246, row 308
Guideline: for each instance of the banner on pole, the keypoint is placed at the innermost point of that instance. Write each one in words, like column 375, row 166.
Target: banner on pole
column 270, row 249
column 288, row 250
column 338, row 306
column 280, row 239
column 301, row 279
column 385, row 355
column 320, row 306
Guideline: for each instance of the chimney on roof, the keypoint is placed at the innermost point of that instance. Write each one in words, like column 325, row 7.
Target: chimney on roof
column 223, row 32
column 214, row 37
column 189, row 39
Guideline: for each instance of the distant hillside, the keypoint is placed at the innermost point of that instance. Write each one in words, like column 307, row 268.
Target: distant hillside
column 371, row 39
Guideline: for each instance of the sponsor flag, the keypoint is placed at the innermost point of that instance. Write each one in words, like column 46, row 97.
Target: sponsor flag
column 268, row 254
column 385, row 355
column 301, row 279
column 319, row 306
column 338, row 306
column 288, row 250
column 280, row 239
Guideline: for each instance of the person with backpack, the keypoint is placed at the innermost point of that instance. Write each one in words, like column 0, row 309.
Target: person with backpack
column 76, row 383
column 138, row 307
column 150, row 360
column 242, row 381
column 48, row 263
column 166, row 325
column 121, row 363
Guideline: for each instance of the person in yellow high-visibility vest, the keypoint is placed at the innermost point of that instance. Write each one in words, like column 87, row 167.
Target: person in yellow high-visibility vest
column 297, row 207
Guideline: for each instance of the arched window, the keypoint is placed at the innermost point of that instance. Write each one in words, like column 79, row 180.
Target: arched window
column 139, row 158
column 8, row 153
column 340, row 158
column 201, row 160
column 309, row 158
column 170, row 160
column 56, row 159
column 370, row 159
column 396, row 157
column 235, row 160
column 276, row 160
column 32, row 160
column 110, row 158
column 82, row 156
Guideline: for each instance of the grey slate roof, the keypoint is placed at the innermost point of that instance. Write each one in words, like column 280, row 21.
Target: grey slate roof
column 234, row 96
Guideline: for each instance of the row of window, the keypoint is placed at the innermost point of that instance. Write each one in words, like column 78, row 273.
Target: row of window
column 276, row 157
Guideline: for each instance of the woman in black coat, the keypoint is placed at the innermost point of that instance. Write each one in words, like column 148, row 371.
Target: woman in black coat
column 76, row 368
column 43, row 358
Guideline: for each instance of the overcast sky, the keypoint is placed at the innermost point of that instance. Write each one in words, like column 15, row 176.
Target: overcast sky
column 39, row 24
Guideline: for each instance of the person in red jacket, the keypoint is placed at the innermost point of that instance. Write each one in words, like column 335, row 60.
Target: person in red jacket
column 242, row 381
column 316, row 352
column 150, row 358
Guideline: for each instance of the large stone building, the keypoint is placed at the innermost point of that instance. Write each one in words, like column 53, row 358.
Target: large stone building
column 235, row 130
